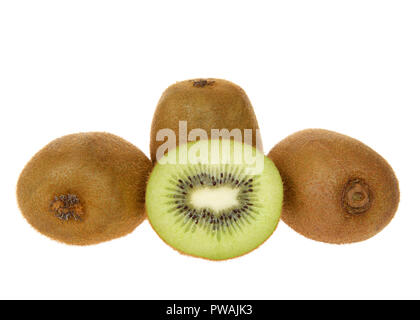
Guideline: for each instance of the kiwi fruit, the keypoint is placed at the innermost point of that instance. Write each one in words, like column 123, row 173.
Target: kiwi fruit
column 336, row 189
column 204, row 104
column 214, row 207
column 85, row 188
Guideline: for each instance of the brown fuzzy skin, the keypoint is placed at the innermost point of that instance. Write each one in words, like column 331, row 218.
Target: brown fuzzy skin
column 319, row 168
column 106, row 173
column 206, row 104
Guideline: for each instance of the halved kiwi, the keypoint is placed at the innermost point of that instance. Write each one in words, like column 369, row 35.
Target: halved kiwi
column 337, row 189
column 85, row 188
column 215, row 199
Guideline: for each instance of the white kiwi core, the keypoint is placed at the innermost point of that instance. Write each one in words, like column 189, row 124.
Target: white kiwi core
column 215, row 198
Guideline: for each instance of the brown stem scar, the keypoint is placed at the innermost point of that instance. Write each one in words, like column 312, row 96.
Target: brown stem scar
column 66, row 207
column 356, row 197
column 201, row 83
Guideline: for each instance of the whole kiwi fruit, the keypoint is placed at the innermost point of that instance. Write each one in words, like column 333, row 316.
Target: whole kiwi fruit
column 204, row 104
column 85, row 188
column 336, row 189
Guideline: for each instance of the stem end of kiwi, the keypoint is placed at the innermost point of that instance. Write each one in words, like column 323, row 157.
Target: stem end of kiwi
column 356, row 197
column 67, row 206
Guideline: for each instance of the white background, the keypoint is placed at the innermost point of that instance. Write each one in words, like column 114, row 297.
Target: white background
column 348, row 66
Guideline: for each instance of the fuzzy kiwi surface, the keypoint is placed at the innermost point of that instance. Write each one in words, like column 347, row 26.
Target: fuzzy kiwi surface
column 85, row 188
column 337, row 189
column 204, row 104
column 215, row 207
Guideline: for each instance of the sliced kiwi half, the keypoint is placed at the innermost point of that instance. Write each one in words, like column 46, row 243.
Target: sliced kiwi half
column 214, row 199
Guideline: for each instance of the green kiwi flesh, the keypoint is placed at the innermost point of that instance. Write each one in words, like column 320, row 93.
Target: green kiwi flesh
column 214, row 208
column 85, row 188
column 337, row 190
